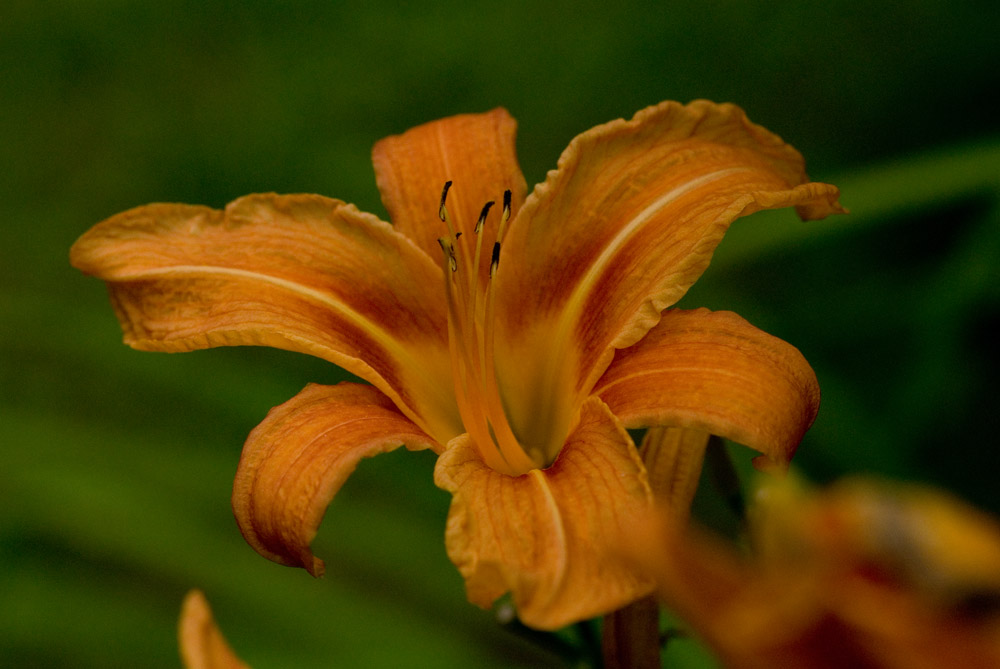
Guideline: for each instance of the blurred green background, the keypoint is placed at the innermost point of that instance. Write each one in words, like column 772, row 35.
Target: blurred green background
column 116, row 466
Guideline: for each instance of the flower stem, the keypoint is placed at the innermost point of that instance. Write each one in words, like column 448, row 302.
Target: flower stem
column 631, row 637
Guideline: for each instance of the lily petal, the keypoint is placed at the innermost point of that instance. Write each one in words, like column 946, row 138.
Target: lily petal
column 674, row 457
column 299, row 272
column 297, row 459
column 620, row 231
column 202, row 645
column 474, row 151
column 537, row 535
column 713, row 371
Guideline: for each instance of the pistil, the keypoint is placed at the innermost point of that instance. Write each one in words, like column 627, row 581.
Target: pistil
column 471, row 309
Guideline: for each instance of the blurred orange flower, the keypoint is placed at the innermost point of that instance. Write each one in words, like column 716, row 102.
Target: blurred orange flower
column 519, row 356
column 860, row 575
column 201, row 643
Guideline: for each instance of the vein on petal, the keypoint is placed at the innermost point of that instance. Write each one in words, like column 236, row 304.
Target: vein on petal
column 378, row 333
column 297, row 459
column 538, row 477
column 574, row 305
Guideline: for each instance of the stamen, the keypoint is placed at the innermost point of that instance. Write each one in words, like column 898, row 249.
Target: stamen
column 471, row 307
column 466, row 389
column 449, row 252
column 505, row 216
column 482, row 216
column 495, row 260
column 507, row 443
column 442, row 211
column 474, row 277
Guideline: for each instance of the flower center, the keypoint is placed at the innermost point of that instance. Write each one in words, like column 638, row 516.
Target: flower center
column 471, row 292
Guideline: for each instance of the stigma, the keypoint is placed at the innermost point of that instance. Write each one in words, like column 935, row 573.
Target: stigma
column 471, row 292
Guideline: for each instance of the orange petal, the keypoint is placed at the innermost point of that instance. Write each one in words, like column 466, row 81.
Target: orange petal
column 295, row 461
column 674, row 457
column 202, row 644
column 540, row 535
column 474, row 151
column 621, row 229
column 713, row 371
column 298, row 272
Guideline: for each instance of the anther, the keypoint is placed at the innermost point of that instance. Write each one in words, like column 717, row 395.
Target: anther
column 442, row 212
column 495, row 260
column 482, row 216
column 449, row 252
column 506, row 204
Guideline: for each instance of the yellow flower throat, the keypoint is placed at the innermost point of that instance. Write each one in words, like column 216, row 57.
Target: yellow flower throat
column 471, row 305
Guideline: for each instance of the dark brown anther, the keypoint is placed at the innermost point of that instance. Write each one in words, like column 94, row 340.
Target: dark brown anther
column 442, row 212
column 449, row 253
column 495, row 260
column 482, row 216
column 506, row 204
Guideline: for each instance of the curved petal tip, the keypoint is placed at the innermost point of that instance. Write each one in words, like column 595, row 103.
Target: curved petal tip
column 297, row 459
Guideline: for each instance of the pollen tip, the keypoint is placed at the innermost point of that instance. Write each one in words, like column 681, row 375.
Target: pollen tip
column 483, row 215
column 506, row 203
column 495, row 259
column 449, row 252
column 442, row 211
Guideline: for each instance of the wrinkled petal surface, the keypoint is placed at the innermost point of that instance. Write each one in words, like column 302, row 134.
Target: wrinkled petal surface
column 202, row 645
column 295, row 461
column 540, row 535
column 299, row 272
column 713, row 371
column 620, row 231
column 473, row 151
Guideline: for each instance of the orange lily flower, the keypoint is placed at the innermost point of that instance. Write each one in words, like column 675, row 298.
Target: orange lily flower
column 519, row 356
column 202, row 645
column 859, row 575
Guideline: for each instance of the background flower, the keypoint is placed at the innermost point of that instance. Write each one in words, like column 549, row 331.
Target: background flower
column 202, row 644
column 864, row 573
column 114, row 475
